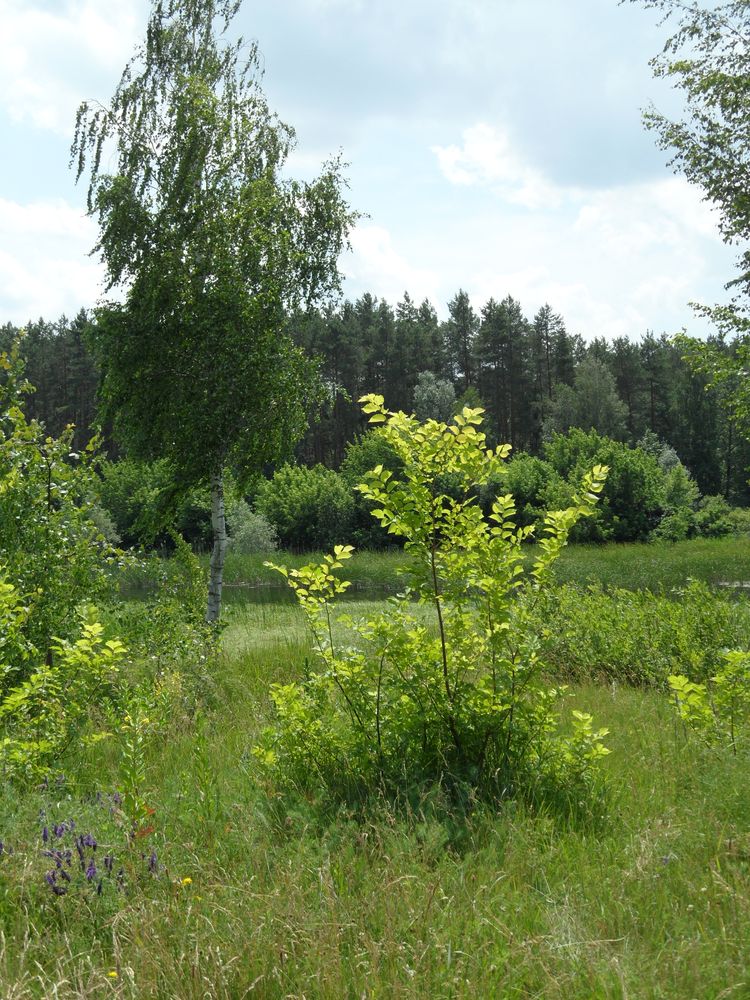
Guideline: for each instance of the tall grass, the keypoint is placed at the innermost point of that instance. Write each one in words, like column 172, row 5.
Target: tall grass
column 649, row 899
column 654, row 566
column 259, row 894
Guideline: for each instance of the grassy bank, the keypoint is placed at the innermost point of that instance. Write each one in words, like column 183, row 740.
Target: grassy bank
column 653, row 566
column 232, row 889
column 258, row 895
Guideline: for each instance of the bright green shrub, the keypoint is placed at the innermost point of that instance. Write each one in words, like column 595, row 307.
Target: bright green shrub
column 365, row 453
column 53, row 553
column 42, row 714
column 719, row 711
column 637, row 637
column 633, row 500
column 308, row 508
column 462, row 696
column 713, row 517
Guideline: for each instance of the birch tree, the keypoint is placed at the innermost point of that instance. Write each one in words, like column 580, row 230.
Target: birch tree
column 707, row 59
column 208, row 245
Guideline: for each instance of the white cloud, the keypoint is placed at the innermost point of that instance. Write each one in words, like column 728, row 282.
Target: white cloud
column 614, row 261
column 48, row 56
column 44, row 267
column 487, row 158
column 378, row 267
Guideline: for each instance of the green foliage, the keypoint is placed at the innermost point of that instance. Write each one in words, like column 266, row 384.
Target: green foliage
column 363, row 454
column 308, row 508
column 463, row 698
column 53, row 552
column 249, row 531
column 739, row 518
column 529, row 480
column 638, row 637
column 592, row 404
column 719, row 711
column 42, row 715
column 713, row 517
column 706, row 59
column 633, row 499
column 142, row 500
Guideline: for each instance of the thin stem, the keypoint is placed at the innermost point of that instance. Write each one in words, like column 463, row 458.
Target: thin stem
column 443, row 643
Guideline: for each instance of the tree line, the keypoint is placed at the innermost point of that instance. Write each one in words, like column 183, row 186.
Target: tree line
column 532, row 376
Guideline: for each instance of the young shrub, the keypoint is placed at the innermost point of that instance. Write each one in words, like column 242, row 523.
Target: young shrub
column 249, row 531
column 308, row 508
column 48, row 711
column 447, row 684
column 719, row 711
column 52, row 550
column 713, row 518
column 365, row 453
column 739, row 519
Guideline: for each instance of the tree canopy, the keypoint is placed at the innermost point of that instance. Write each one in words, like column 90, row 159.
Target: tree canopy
column 708, row 59
column 210, row 244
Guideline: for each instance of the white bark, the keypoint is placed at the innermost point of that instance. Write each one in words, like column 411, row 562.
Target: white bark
column 216, row 573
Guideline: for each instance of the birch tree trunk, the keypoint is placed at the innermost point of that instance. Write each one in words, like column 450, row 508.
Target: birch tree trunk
column 216, row 572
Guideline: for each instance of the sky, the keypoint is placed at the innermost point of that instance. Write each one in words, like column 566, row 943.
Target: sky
column 494, row 146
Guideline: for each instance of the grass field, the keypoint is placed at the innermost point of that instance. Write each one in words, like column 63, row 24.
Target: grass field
column 650, row 566
column 252, row 893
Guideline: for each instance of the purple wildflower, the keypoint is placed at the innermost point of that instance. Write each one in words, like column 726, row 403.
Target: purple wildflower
column 91, row 871
column 99, row 888
column 108, row 862
column 89, row 841
column 45, row 834
column 153, row 864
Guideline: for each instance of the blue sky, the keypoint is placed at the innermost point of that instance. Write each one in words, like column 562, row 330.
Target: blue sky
column 495, row 145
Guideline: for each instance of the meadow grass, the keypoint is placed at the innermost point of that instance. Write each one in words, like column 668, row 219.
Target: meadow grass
column 270, row 895
column 655, row 566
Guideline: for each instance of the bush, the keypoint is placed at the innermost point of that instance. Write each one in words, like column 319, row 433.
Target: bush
column 528, row 480
column 713, row 517
column 47, row 709
column 365, row 453
column 675, row 527
column 739, row 518
column 640, row 638
column 719, row 711
column 462, row 698
column 141, row 499
column 53, row 553
column 633, row 500
column 249, row 531
column 308, row 508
